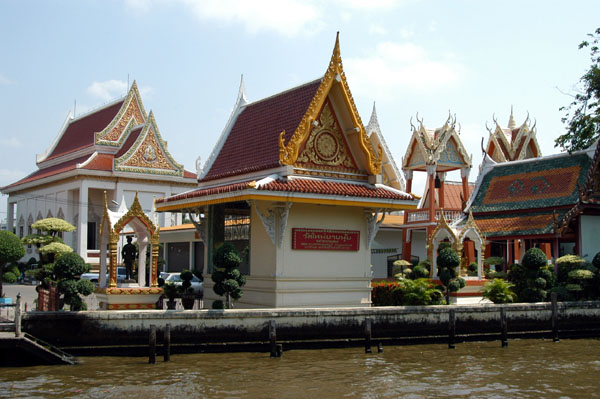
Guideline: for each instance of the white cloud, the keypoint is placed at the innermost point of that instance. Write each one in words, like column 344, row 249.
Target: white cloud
column 287, row 17
column 107, row 90
column 11, row 142
column 138, row 6
column 400, row 66
column 370, row 4
column 377, row 30
column 4, row 80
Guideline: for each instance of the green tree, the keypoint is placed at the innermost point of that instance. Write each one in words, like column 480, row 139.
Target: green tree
column 48, row 241
column 582, row 116
column 11, row 250
column 227, row 277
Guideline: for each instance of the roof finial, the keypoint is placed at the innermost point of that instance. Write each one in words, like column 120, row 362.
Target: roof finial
column 336, row 49
column 511, row 120
column 242, row 91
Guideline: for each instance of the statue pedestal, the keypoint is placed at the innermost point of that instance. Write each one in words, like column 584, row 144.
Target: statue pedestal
column 128, row 298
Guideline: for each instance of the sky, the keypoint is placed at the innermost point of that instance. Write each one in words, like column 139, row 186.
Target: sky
column 471, row 58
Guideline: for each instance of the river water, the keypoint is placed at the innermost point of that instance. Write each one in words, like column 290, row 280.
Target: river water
column 529, row 368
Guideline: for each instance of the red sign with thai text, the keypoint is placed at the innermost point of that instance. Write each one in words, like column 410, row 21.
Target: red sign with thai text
column 325, row 240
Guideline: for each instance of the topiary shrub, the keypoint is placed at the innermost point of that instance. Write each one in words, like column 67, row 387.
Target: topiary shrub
column 67, row 270
column 448, row 260
column 9, row 278
column 218, row 304
column 534, row 259
column 227, row 277
column 420, row 272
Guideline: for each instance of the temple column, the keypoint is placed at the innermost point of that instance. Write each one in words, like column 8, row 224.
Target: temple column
column 408, row 175
column 82, row 227
column 516, row 251
column 488, row 250
column 10, row 215
column 442, row 177
column 142, row 245
column 431, row 176
column 464, row 174
column 406, row 245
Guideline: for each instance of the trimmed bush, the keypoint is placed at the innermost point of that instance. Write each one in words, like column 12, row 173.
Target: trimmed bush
column 420, row 272
column 69, row 265
column 9, row 278
column 218, row 304
column 499, row 291
column 534, row 259
column 227, row 277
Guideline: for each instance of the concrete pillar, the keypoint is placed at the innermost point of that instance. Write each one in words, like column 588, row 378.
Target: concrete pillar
column 464, row 174
column 143, row 246
column 406, row 244
column 431, row 176
column 10, row 215
column 408, row 175
column 442, row 176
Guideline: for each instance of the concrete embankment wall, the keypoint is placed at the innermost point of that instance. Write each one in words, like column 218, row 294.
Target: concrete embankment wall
column 202, row 327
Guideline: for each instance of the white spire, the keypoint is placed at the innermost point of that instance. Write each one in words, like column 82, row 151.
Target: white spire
column 373, row 122
column 511, row 120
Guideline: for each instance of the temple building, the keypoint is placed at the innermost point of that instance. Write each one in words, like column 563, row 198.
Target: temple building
column 116, row 148
column 547, row 202
column 297, row 186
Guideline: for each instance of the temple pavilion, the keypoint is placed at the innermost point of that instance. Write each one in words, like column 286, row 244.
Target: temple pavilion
column 296, row 184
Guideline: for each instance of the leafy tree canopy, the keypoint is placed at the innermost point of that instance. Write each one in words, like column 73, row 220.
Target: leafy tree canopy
column 582, row 116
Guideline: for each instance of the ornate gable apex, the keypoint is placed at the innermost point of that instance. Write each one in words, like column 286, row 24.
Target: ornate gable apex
column 391, row 174
column 334, row 78
column 132, row 113
column 441, row 146
column 149, row 154
column 240, row 103
column 513, row 143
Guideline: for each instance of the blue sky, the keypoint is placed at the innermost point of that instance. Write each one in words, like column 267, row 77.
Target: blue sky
column 472, row 58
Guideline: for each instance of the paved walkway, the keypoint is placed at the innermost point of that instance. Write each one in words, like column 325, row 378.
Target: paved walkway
column 28, row 294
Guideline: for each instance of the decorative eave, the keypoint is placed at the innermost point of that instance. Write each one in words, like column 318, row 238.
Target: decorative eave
column 471, row 225
column 288, row 153
column 374, row 132
column 145, row 164
column 240, row 103
column 136, row 211
column 132, row 113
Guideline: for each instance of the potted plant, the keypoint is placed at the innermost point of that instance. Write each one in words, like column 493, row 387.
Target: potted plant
column 171, row 292
column 187, row 294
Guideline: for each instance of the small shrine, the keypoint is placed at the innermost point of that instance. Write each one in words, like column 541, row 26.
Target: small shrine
column 128, row 294
column 436, row 152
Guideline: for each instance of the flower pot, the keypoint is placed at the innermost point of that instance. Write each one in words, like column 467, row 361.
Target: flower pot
column 187, row 301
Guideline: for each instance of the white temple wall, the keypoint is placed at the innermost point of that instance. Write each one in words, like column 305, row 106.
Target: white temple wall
column 387, row 243
column 590, row 231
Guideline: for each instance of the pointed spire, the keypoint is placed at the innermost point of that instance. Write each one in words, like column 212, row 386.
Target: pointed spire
column 373, row 124
column 337, row 57
column 511, row 120
column 242, row 96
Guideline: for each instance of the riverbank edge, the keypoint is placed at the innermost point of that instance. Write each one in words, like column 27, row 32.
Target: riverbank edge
column 112, row 332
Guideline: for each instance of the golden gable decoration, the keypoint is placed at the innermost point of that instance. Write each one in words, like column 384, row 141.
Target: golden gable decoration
column 131, row 114
column 288, row 154
column 149, row 154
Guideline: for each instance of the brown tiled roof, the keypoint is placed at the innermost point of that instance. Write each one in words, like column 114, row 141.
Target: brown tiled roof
column 306, row 186
column 253, row 142
column 317, row 186
column 519, row 224
column 452, row 195
column 80, row 133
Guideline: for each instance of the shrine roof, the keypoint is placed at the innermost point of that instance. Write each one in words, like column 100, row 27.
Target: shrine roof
column 452, row 195
column 252, row 144
column 537, row 183
column 80, row 132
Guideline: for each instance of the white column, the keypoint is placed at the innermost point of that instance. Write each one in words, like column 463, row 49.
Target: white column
column 191, row 256
column 10, row 214
column 83, row 220
column 142, row 245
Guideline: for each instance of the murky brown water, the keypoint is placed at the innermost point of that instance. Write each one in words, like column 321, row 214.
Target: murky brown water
column 526, row 369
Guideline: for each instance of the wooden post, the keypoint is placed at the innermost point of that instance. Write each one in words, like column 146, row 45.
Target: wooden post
column 18, row 316
column 503, row 327
column 167, row 343
column 152, row 344
column 380, row 347
column 368, row 325
column 451, row 328
column 554, row 298
column 276, row 350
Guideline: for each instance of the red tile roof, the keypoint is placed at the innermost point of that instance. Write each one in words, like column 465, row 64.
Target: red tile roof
column 133, row 135
column 318, row 186
column 80, row 133
column 253, row 142
column 452, row 195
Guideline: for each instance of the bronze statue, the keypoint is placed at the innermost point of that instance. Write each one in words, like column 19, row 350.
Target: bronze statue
column 129, row 254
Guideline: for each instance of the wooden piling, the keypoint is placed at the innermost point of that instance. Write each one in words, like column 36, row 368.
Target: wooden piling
column 451, row 328
column 554, row 299
column 379, row 347
column 276, row 350
column 152, row 344
column 368, row 327
column 167, row 343
column 18, row 316
column 503, row 327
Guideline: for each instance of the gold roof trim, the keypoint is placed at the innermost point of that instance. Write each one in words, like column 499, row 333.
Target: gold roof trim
column 288, row 154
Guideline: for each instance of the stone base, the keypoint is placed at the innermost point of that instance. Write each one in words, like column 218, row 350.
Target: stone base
column 124, row 298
